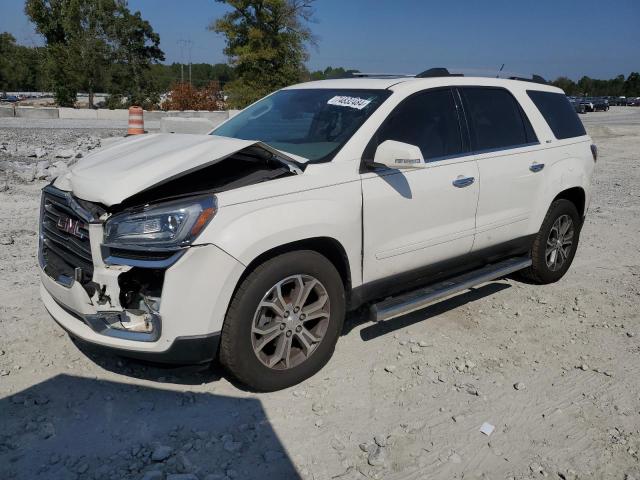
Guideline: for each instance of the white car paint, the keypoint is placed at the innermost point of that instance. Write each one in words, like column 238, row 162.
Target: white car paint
column 385, row 223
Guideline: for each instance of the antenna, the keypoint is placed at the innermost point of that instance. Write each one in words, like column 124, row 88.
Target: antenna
column 498, row 75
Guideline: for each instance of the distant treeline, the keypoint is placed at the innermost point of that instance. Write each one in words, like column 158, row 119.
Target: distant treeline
column 21, row 69
column 591, row 87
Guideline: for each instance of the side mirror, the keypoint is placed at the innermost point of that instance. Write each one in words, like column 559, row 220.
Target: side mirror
column 398, row 155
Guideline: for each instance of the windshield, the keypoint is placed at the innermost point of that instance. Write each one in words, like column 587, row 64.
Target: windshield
column 311, row 123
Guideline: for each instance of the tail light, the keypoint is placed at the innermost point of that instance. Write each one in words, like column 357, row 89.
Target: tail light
column 594, row 152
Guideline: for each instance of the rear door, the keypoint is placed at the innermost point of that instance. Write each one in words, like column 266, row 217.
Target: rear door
column 510, row 163
column 417, row 218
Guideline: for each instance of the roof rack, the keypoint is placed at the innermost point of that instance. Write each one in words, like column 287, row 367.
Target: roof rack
column 438, row 72
column 534, row 78
column 375, row 75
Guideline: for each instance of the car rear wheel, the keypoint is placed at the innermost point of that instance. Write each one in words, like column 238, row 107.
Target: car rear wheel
column 554, row 247
column 284, row 321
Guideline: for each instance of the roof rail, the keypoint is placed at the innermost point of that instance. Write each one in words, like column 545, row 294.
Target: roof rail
column 534, row 78
column 374, row 75
column 438, row 72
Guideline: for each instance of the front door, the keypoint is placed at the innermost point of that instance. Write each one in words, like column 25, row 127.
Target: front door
column 416, row 218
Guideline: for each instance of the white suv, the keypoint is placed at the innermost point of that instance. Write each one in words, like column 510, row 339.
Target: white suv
column 250, row 244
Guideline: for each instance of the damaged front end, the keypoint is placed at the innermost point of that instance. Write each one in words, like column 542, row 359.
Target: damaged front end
column 111, row 259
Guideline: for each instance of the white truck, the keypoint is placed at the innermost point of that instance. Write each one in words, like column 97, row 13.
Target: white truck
column 250, row 245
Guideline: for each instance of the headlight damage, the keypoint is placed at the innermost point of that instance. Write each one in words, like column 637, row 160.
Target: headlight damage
column 168, row 225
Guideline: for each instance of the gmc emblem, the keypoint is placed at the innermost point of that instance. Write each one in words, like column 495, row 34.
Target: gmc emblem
column 71, row 226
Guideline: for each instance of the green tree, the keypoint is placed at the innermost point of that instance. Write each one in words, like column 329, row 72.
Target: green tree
column 266, row 43
column 19, row 65
column 632, row 85
column 92, row 44
column 566, row 84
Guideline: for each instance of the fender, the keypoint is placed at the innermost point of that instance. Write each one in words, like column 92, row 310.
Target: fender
column 566, row 173
column 247, row 230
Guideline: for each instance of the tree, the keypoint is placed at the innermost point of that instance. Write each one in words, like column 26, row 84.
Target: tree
column 266, row 44
column 632, row 85
column 85, row 38
column 566, row 84
column 19, row 65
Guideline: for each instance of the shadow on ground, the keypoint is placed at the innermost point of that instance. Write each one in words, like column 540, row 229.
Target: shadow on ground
column 75, row 428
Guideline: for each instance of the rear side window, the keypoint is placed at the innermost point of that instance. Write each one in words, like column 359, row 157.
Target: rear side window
column 559, row 114
column 428, row 120
column 496, row 119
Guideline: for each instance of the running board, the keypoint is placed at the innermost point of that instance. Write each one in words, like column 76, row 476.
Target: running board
column 415, row 300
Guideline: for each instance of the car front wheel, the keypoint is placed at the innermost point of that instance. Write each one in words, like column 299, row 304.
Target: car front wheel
column 284, row 321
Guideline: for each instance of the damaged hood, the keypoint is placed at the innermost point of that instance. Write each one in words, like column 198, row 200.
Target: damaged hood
column 135, row 164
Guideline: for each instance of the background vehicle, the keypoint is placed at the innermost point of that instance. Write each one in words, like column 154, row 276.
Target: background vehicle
column 251, row 244
column 577, row 105
column 600, row 104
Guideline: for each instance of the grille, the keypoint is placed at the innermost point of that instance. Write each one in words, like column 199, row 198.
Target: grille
column 64, row 238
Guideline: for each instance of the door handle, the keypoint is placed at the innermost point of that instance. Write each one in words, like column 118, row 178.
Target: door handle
column 536, row 167
column 461, row 181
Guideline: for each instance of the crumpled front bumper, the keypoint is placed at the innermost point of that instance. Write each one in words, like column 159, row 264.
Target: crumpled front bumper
column 195, row 294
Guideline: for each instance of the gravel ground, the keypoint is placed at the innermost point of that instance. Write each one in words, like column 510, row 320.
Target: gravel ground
column 555, row 369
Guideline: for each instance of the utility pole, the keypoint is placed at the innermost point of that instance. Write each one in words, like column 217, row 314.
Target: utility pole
column 188, row 44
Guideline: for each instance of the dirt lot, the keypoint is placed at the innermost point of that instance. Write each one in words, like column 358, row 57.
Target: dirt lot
column 555, row 369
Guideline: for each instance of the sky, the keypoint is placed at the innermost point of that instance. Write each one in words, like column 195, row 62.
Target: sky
column 547, row 37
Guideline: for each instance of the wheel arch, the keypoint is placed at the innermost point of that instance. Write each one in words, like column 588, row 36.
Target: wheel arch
column 577, row 196
column 329, row 247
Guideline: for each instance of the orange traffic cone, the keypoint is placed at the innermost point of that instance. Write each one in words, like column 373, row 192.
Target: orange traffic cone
column 136, row 121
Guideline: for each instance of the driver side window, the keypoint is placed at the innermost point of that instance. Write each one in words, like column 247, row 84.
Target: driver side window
column 428, row 120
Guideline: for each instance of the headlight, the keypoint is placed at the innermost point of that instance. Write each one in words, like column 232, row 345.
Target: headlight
column 166, row 225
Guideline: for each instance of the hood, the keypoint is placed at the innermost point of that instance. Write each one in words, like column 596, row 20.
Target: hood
column 135, row 164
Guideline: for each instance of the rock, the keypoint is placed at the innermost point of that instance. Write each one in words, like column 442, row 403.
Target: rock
column 381, row 440
column 182, row 476
column 161, row 453
column 584, row 367
column 231, row 446
column 367, row 447
column 377, row 457
column 65, row 153
column 41, row 170
column 423, row 344
column 630, row 334
column 415, row 349
column 153, row 475
column 6, row 240
column 535, row 467
column 519, row 386
column 25, row 173
column 39, row 153
column 56, row 169
column 390, row 368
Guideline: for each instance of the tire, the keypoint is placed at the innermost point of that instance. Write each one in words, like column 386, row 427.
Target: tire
column 547, row 267
column 246, row 352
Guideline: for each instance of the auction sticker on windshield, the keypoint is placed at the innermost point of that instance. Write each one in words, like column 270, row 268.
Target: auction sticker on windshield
column 352, row 102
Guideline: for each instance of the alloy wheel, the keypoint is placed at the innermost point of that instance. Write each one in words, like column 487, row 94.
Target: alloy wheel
column 559, row 242
column 290, row 322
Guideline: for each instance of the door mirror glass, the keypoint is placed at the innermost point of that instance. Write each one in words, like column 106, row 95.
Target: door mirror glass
column 398, row 155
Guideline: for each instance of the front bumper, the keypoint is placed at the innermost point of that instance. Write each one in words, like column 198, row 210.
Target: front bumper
column 195, row 294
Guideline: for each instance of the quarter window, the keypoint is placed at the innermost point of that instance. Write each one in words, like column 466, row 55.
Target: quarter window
column 559, row 114
column 496, row 119
column 428, row 120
